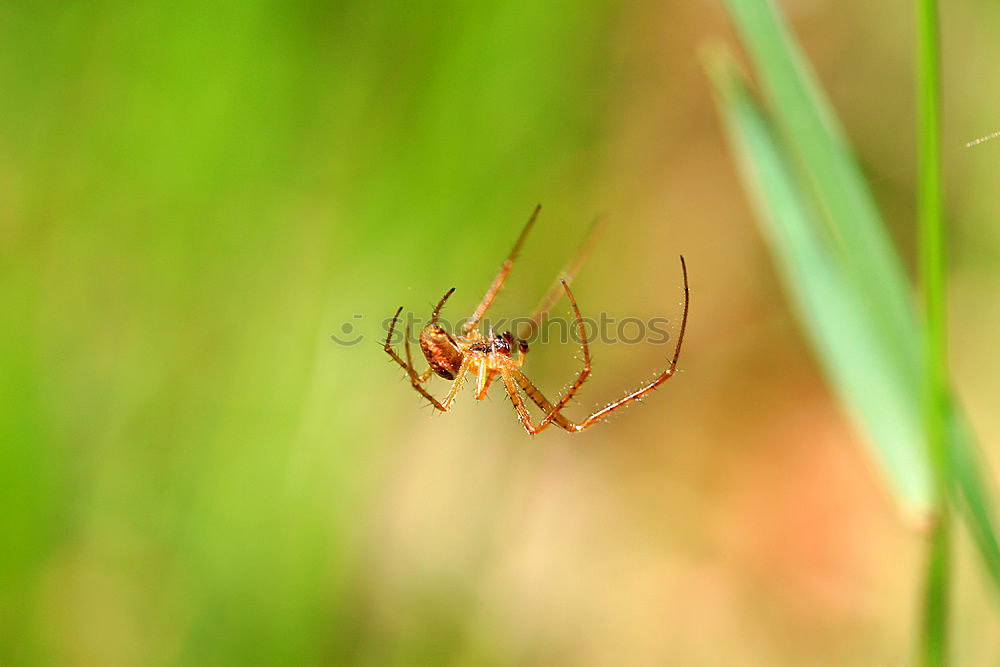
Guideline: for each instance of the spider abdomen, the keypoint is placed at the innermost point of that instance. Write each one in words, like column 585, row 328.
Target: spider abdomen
column 442, row 352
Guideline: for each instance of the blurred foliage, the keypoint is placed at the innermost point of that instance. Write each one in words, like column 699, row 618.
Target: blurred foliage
column 832, row 247
column 875, row 371
column 831, row 244
column 193, row 194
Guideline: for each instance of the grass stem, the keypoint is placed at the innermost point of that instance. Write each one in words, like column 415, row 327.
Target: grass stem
column 934, row 638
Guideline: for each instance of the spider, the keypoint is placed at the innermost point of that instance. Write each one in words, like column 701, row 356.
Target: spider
column 453, row 356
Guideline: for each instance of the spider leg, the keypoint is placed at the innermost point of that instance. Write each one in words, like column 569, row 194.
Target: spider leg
column 505, row 268
column 415, row 379
column 568, row 273
column 514, row 374
column 553, row 413
column 642, row 391
column 484, row 381
column 440, row 305
column 532, row 392
column 408, row 367
column 584, row 372
column 515, row 397
column 512, row 377
column 456, row 384
column 423, row 377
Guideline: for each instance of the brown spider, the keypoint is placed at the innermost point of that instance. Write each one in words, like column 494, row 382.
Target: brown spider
column 451, row 357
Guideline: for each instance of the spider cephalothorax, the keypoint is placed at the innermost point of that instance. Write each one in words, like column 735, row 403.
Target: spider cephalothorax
column 501, row 344
column 453, row 356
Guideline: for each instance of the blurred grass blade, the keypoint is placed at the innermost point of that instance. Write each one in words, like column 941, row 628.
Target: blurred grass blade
column 851, row 350
column 973, row 492
column 814, row 203
column 807, row 130
column 934, row 640
column 810, row 130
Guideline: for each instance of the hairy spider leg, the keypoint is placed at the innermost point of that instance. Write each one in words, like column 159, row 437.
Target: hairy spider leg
column 584, row 372
column 568, row 273
column 539, row 399
column 484, row 380
column 505, row 268
column 423, row 377
column 512, row 374
column 439, row 306
column 415, row 379
column 666, row 375
column 408, row 366
column 515, row 397
column 456, row 384
column 553, row 412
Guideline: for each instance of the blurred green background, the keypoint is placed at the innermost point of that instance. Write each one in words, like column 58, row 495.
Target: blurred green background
column 194, row 196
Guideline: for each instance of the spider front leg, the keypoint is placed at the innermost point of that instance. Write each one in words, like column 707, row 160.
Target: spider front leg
column 553, row 411
column 456, row 384
column 501, row 276
column 663, row 377
column 527, row 330
column 423, row 377
column 417, row 380
column 408, row 364
column 584, row 372
column 512, row 377
column 515, row 397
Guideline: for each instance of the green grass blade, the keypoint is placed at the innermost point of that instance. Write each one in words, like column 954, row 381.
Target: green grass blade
column 974, row 495
column 807, row 129
column 933, row 639
column 810, row 129
column 850, row 347
column 811, row 146
column 930, row 214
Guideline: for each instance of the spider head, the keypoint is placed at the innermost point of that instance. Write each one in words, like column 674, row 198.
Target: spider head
column 510, row 342
column 505, row 343
column 443, row 354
